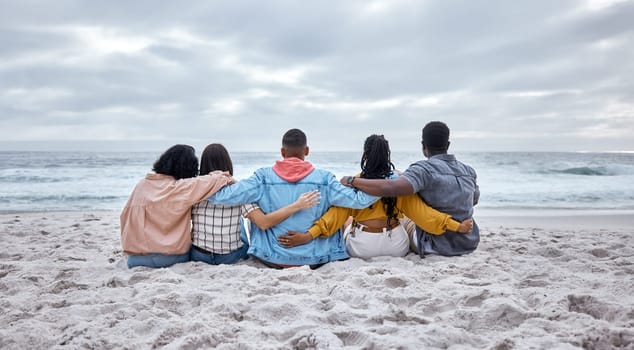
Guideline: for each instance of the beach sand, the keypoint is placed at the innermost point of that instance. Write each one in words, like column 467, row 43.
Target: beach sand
column 535, row 283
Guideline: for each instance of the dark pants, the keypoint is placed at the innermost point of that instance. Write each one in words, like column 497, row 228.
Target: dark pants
column 217, row 259
column 157, row 260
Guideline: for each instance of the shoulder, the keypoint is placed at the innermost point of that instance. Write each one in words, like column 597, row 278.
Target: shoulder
column 321, row 174
column 469, row 169
column 262, row 174
column 422, row 166
column 264, row 170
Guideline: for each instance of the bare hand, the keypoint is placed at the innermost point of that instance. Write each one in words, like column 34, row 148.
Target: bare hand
column 225, row 174
column 344, row 181
column 466, row 226
column 308, row 199
column 294, row 238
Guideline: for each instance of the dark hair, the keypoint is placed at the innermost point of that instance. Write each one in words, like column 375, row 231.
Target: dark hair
column 178, row 161
column 215, row 157
column 376, row 164
column 436, row 136
column 294, row 138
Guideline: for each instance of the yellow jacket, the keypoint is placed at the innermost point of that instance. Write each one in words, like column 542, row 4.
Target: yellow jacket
column 412, row 206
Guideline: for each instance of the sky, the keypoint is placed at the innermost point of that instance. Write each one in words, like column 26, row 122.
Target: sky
column 142, row 75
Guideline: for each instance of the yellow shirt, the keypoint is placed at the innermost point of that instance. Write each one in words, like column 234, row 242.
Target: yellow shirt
column 412, row 206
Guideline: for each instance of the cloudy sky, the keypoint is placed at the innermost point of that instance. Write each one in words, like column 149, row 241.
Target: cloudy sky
column 504, row 75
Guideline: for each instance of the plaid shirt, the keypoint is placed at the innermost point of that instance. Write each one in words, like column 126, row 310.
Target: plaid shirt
column 216, row 228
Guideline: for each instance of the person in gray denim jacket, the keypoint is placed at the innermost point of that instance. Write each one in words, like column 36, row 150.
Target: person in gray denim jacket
column 443, row 182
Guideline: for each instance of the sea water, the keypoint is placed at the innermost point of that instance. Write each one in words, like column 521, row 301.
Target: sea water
column 80, row 181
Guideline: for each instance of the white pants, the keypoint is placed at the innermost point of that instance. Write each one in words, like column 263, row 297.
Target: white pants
column 361, row 244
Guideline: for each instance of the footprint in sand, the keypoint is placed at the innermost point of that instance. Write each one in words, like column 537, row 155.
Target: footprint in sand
column 539, row 280
column 590, row 305
column 476, row 300
column 550, row 252
column 66, row 273
column 138, row 277
column 326, row 305
column 167, row 337
column 401, row 317
column 505, row 344
column 501, row 316
column 395, row 282
column 599, row 253
column 609, row 339
column 353, row 338
column 63, row 285
column 115, row 282
column 318, row 339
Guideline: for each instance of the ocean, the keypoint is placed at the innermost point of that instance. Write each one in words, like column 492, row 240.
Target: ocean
column 509, row 181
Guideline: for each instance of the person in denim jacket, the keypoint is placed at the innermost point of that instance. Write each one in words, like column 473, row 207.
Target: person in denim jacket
column 444, row 183
column 277, row 186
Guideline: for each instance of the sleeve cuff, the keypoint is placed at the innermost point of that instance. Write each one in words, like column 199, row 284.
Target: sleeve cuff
column 453, row 225
column 314, row 232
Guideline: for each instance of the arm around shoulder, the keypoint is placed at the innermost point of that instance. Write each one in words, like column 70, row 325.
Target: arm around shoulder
column 202, row 187
column 241, row 192
column 266, row 221
column 399, row 186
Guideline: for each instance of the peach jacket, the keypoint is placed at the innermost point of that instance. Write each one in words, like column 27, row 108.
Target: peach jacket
column 157, row 217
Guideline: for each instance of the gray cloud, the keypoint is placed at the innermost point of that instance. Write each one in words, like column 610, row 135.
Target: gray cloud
column 504, row 75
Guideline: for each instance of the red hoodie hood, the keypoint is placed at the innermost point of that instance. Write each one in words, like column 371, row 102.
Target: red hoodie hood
column 292, row 169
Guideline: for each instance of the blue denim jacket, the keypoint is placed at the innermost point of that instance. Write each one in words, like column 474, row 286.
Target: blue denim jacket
column 272, row 192
column 449, row 186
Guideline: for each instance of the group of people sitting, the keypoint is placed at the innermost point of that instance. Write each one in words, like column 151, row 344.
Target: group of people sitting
column 297, row 214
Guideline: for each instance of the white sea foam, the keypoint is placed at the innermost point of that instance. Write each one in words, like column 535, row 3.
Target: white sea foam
column 35, row 181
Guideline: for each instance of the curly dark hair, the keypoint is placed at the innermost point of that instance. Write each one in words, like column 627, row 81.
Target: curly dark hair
column 376, row 164
column 215, row 157
column 179, row 161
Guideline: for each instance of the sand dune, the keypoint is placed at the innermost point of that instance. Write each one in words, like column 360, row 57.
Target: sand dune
column 64, row 284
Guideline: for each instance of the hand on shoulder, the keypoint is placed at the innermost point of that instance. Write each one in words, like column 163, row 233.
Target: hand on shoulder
column 224, row 174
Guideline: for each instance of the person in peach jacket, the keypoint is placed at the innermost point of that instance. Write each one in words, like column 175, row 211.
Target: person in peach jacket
column 156, row 220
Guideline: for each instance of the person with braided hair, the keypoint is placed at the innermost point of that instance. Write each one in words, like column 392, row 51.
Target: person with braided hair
column 443, row 182
column 376, row 230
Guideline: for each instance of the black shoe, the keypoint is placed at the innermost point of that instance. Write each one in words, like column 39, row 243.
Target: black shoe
column 316, row 266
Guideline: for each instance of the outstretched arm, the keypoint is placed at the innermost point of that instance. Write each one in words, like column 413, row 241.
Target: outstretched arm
column 242, row 192
column 430, row 219
column 381, row 188
column 328, row 224
column 265, row 221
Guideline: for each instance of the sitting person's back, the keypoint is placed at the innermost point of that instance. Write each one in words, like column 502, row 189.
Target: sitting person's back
column 376, row 230
column 217, row 229
column 447, row 185
column 274, row 187
column 442, row 182
column 156, row 220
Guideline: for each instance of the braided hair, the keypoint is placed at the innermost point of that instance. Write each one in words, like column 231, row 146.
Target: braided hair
column 376, row 164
